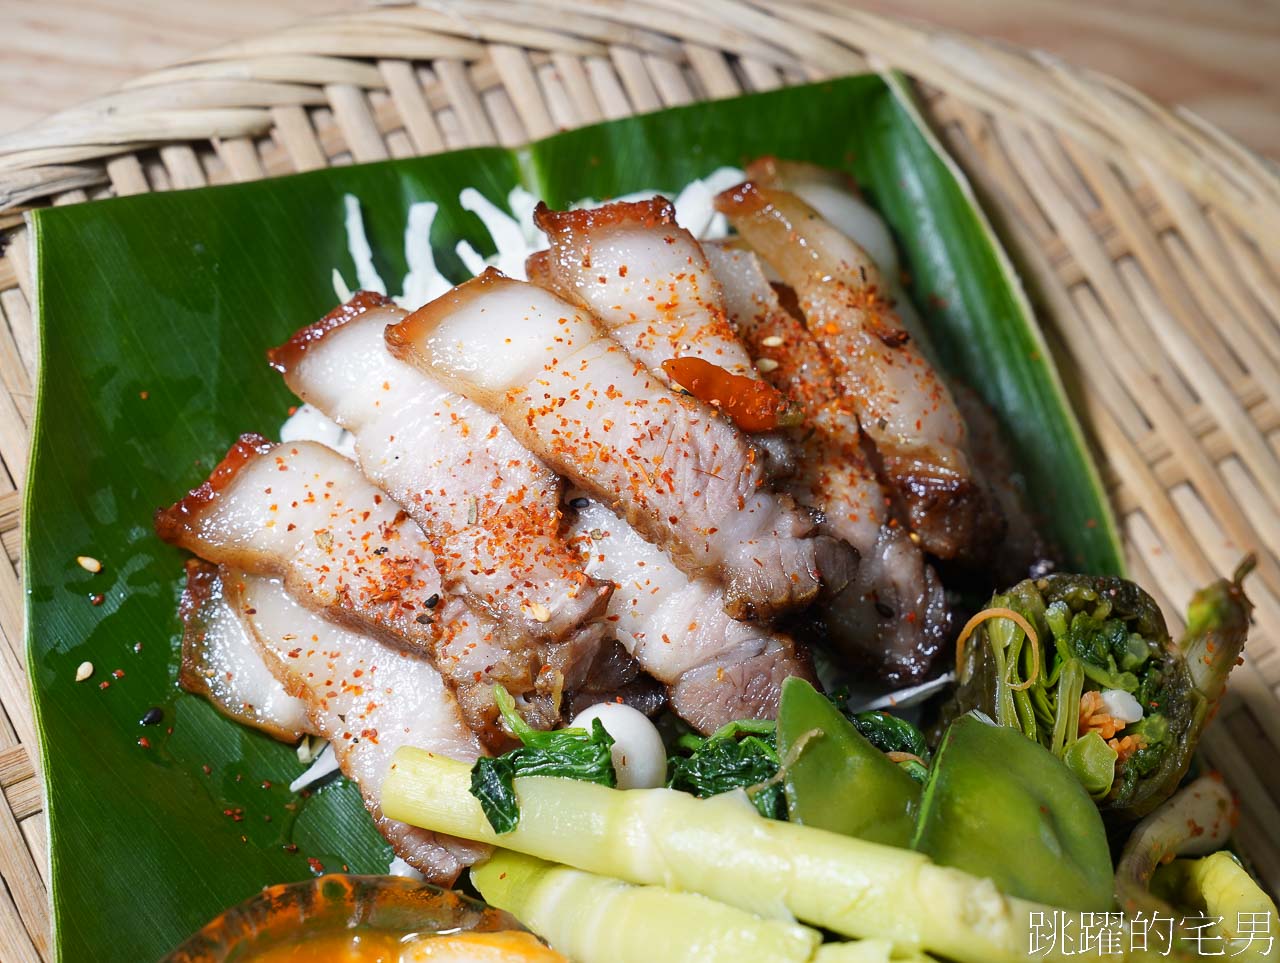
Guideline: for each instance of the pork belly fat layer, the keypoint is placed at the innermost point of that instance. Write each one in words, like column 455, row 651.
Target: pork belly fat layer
column 221, row 663
column 304, row 513
column 687, row 479
column 892, row 618
column 645, row 279
column 648, row 282
column 901, row 402
column 368, row 699
column 490, row 506
column 716, row 669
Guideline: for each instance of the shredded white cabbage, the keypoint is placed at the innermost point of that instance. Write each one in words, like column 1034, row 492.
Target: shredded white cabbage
column 311, row 424
column 514, row 235
column 361, row 253
column 902, row 698
column 424, row 282
column 399, row 867
column 325, row 765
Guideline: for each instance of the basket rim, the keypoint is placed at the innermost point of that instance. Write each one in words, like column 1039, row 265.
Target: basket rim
column 230, row 91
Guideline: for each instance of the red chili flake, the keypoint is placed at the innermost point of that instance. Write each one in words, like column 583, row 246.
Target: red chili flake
column 144, row 742
column 290, row 847
column 117, row 673
column 293, row 410
column 206, row 769
column 104, row 685
column 317, row 867
column 97, row 599
column 137, row 647
column 144, row 395
column 266, row 784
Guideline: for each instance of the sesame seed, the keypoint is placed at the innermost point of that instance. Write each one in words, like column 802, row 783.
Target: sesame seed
column 89, row 563
column 766, row 364
column 773, row 341
column 539, row 612
column 84, row 671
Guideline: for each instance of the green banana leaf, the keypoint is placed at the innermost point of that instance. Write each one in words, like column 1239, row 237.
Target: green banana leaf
column 154, row 314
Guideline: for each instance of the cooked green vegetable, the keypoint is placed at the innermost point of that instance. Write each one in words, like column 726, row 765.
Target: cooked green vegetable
column 1217, row 625
column 891, row 734
column 1096, row 643
column 569, row 753
column 1000, row 806
column 740, row 755
column 723, row 849
column 594, row 918
column 834, row 778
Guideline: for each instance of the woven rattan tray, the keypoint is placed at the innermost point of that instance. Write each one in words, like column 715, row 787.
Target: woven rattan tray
column 1148, row 240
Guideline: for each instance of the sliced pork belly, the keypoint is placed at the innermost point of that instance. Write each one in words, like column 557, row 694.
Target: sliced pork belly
column 368, row 699
column 686, row 478
column 1023, row 551
column 647, row 281
column 221, row 663
column 892, row 618
column 490, row 507
column 301, row 512
column 716, row 669
column 901, row 403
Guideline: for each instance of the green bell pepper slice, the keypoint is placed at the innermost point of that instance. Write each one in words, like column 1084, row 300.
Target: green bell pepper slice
column 835, row 779
column 1002, row 806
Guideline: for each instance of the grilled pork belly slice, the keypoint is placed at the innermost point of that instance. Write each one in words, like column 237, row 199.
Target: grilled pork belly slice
column 221, row 663
column 368, row 699
column 684, row 477
column 1023, row 550
column 716, row 669
column 900, row 401
column 301, row 512
column 491, row 509
column 647, row 281
column 892, row 617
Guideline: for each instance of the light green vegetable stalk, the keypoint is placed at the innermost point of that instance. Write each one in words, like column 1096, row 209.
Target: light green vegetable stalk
column 720, row 847
column 1222, row 889
column 593, row 918
column 1197, row 820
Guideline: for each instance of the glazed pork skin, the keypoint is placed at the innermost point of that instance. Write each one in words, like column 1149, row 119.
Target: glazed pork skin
column 684, row 477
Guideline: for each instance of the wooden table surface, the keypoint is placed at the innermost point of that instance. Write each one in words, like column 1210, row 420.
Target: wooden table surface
column 1217, row 57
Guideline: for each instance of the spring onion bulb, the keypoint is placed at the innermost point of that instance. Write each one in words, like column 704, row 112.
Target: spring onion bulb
column 639, row 757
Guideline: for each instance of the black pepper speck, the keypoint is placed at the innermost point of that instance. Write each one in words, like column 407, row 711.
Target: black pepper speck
column 152, row 717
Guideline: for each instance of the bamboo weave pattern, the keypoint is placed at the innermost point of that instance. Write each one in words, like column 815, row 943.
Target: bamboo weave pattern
column 1149, row 241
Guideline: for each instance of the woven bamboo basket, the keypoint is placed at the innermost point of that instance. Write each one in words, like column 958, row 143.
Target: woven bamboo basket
column 1149, row 241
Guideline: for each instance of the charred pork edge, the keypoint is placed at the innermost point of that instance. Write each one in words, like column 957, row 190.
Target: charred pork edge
column 175, row 521
column 287, row 356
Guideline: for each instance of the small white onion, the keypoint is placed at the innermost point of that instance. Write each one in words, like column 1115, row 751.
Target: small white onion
column 1121, row 705
column 639, row 757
